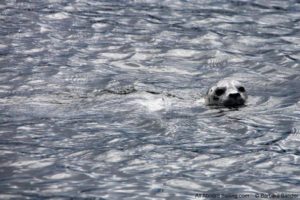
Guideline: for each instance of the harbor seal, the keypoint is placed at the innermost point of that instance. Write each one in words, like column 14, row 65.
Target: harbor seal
column 228, row 93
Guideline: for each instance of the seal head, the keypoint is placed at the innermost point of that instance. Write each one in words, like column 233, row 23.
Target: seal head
column 228, row 93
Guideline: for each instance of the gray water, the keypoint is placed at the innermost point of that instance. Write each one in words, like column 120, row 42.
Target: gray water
column 104, row 99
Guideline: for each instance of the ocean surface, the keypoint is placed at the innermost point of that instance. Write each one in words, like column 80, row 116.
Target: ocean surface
column 104, row 99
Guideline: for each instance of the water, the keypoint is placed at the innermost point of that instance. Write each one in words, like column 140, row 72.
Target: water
column 104, row 99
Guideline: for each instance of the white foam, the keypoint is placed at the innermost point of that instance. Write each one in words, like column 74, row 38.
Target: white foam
column 60, row 176
column 59, row 16
column 273, row 19
column 98, row 26
column 181, row 53
column 2, row 46
column 152, row 104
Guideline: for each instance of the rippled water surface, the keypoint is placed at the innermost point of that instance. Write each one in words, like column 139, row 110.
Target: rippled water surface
column 104, row 99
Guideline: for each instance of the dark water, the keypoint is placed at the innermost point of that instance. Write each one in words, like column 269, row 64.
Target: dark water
column 104, row 99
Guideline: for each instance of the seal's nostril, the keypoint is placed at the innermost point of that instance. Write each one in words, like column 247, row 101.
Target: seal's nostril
column 234, row 95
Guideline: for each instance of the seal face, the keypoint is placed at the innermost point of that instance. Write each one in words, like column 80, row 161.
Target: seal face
column 228, row 93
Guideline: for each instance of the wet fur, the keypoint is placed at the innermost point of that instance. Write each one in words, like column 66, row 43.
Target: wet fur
column 234, row 94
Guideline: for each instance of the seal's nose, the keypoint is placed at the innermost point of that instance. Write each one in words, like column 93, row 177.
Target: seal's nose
column 234, row 95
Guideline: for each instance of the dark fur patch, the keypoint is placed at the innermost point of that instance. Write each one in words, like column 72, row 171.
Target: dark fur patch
column 216, row 98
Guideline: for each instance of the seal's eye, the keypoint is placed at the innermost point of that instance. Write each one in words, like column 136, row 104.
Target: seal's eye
column 241, row 89
column 220, row 91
